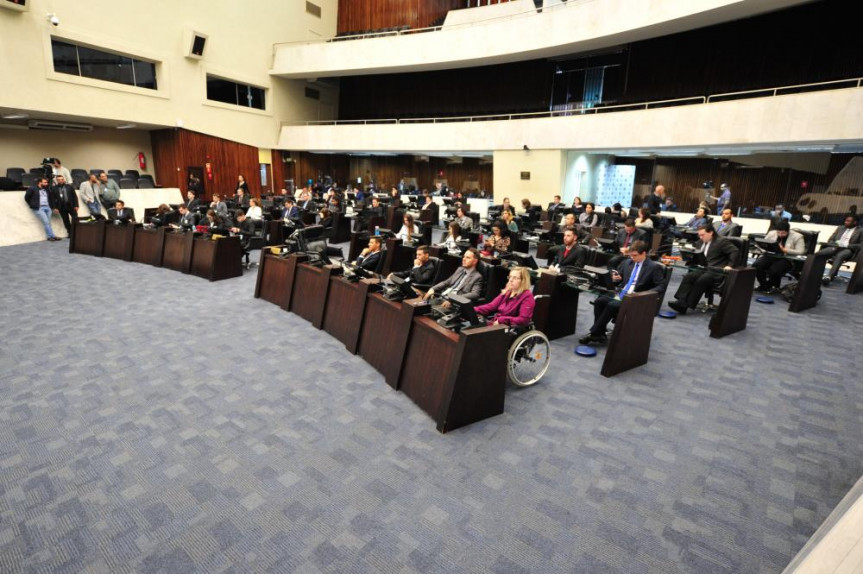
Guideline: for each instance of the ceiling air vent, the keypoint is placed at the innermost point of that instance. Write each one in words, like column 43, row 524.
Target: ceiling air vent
column 58, row 126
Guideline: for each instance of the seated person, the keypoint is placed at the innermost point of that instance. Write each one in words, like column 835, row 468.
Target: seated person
column 506, row 206
column 426, row 202
column 216, row 221
column 509, row 220
column 245, row 227
column 395, row 197
column 162, row 212
column 421, row 274
column 376, row 210
column 589, row 218
column 325, row 218
column 450, row 238
column 498, row 241
column 241, row 198
column 192, row 201
column 305, row 202
column 188, row 219
column 218, row 205
column 514, row 306
column 570, row 254
column 255, row 211
column 554, row 207
column 467, row 281
column 669, row 205
column 120, row 213
column 842, row 245
column 577, row 206
column 727, row 227
column 625, row 238
column 770, row 267
column 371, row 255
column 409, row 229
column 721, row 255
column 637, row 273
column 464, row 222
column 291, row 212
column 643, row 221
column 697, row 220
column 780, row 212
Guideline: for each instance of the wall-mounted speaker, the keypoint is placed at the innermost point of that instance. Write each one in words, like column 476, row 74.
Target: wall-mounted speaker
column 195, row 44
column 18, row 5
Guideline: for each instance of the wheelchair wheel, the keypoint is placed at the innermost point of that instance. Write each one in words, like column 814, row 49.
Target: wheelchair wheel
column 528, row 358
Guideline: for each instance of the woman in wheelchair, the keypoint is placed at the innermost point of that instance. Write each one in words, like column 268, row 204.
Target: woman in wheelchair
column 514, row 306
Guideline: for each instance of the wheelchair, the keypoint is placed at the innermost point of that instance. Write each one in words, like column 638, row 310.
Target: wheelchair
column 528, row 357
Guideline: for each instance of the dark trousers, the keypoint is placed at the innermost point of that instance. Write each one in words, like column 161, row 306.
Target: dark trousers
column 604, row 310
column 769, row 270
column 695, row 284
column 68, row 217
column 839, row 255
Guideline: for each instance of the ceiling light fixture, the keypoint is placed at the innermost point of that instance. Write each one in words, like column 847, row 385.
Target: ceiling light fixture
column 126, row 126
column 16, row 117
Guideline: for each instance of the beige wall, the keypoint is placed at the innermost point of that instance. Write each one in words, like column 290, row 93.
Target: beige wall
column 239, row 47
column 546, row 167
column 581, row 175
column 103, row 148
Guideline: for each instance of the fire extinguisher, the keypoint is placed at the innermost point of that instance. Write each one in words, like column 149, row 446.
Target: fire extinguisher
column 142, row 160
column 208, row 167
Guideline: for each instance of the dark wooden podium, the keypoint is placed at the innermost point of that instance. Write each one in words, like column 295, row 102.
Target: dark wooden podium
column 809, row 286
column 275, row 281
column 457, row 379
column 119, row 240
column 309, row 296
column 733, row 312
column 629, row 345
column 345, row 308
column 87, row 238
column 556, row 318
column 855, row 285
column 217, row 259
column 177, row 251
column 149, row 245
column 385, row 332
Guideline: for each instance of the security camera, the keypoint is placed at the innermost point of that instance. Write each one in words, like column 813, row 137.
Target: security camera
column 55, row 21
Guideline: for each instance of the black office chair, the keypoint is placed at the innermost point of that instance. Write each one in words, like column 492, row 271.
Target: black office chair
column 132, row 174
column 15, row 174
column 126, row 183
column 144, row 183
column 437, row 267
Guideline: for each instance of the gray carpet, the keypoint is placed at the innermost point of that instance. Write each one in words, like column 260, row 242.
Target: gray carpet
column 154, row 422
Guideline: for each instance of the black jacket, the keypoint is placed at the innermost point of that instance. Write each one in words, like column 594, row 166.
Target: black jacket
column 651, row 277
column 576, row 256
column 65, row 197
column 637, row 235
column 422, row 275
column 723, row 252
column 31, row 196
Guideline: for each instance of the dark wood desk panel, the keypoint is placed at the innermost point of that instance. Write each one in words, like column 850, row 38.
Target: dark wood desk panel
column 149, row 245
column 390, row 246
column 119, row 241
column 276, row 278
column 557, row 317
column 359, row 240
column 855, row 285
column 177, row 253
column 809, row 286
column 345, row 308
column 273, row 232
column 385, row 332
column 629, row 345
column 455, row 379
column 217, row 259
column 87, row 238
column 733, row 312
column 309, row 297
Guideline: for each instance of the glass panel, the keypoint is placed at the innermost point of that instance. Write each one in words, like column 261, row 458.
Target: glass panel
column 145, row 74
column 220, row 90
column 65, row 58
column 257, row 98
column 105, row 66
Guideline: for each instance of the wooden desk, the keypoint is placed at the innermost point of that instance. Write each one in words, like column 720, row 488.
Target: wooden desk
column 149, row 245
column 87, row 238
column 457, row 379
column 119, row 241
column 311, row 287
column 390, row 246
column 276, row 275
column 557, row 318
column 733, row 312
column 384, row 336
column 345, row 308
column 809, row 286
column 274, row 232
column 855, row 285
column 629, row 345
column 217, row 259
column 177, row 252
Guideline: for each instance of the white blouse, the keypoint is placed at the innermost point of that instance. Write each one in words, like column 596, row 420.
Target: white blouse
column 255, row 212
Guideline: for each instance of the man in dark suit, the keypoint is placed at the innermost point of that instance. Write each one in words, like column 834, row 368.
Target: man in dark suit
column 467, row 281
column 656, row 200
column 241, row 199
column 555, row 207
column 376, row 210
column 637, row 273
column 188, row 219
column 726, row 227
column 371, row 255
column 291, row 211
column 721, row 255
column 570, row 253
column 66, row 200
column 120, row 213
column 624, row 240
column 192, row 201
column 422, row 273
column 842, row 245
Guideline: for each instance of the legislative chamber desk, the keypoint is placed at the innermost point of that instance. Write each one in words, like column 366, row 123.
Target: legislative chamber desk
column 385, row 332
column 809, row 286
column 276, row 278
column 344, row 309
column 311, row 287
column 149, row 244
column 217, row 259
column 555, row 319
column 855, row 285
column 119, row 240
column 629, row 345
column 177, row 251
column 457, row 379
column 733, row 312
column 87, row 238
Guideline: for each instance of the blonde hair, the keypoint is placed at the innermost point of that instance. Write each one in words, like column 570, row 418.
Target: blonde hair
column 525, row 281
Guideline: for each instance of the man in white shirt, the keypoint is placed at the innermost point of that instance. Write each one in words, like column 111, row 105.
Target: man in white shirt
column 841, row 246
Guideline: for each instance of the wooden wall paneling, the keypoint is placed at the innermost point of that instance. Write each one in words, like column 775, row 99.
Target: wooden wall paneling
column 166, row 160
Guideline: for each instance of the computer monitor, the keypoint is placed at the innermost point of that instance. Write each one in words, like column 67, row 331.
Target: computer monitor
column 600, row 277
column 524, row 260
column 403, row 289
column 317, row 251
column 465, row 307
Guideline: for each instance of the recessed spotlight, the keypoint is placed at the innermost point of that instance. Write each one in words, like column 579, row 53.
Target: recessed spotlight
column 126, row 126
column 16, row 117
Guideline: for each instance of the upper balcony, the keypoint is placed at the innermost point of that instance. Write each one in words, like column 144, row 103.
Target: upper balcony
column 508, row 32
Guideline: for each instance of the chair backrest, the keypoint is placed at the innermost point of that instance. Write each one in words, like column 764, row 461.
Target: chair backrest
column 37, row 170
column 96, row 172
column 381, row 261
column 127, row 183
column 742, row 248
column 117, row 172
column 15, row 173
column 28, row 180
column 142, row 183
column 132, row 173
column 115, row 177
column 810, row 239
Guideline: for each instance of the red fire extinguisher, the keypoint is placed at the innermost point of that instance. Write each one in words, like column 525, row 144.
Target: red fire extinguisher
column 142, row 160
column 208, row 167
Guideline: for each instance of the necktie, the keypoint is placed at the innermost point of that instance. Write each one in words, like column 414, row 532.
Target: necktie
column 457, row 286
column 631, row 283
column 626, row 241
column 706, row 247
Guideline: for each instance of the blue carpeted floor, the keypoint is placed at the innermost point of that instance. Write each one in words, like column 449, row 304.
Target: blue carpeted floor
column 154, row 422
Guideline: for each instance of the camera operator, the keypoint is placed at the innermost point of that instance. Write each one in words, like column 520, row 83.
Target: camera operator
column 58, row 170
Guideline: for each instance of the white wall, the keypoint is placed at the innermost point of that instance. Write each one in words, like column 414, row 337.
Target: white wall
column 546, row 168
column 581, row 175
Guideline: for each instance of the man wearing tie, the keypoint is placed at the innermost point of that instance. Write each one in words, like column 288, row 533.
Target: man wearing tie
column 721, row 254
column 120, row 213
column 67, row 202
column 188, row 219
column 842, row 245
column 637, row 274
column 467, row 281
column 291, row 213
column 625, row 238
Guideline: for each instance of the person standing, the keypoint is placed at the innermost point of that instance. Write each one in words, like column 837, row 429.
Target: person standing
column 60, row 170
column 41, row 201
column 109, row 191
column 90, row 196
column 724, row 199
column 66, row 201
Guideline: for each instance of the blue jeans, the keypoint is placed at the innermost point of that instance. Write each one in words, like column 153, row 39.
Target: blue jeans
column 44, row 214
column 95, row 208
